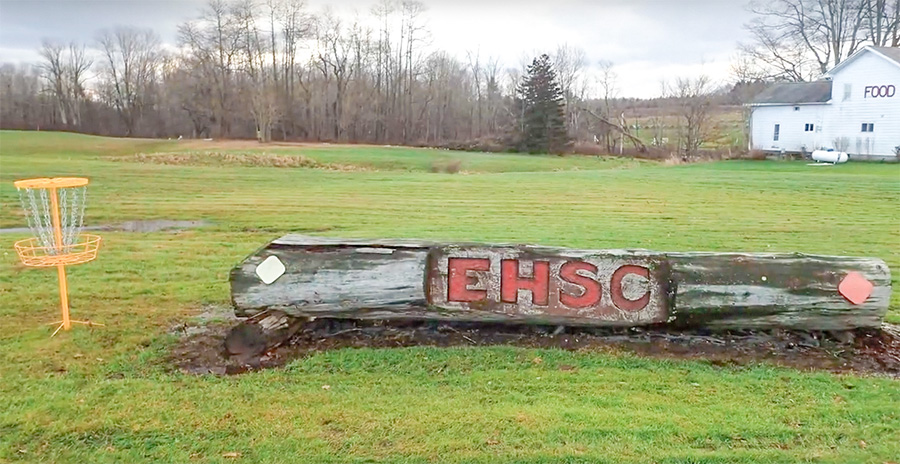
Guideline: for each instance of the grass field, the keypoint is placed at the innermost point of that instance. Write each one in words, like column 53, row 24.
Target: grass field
column 108, row 395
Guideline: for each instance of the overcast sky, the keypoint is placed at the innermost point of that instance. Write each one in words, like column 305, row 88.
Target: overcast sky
column 647, row 40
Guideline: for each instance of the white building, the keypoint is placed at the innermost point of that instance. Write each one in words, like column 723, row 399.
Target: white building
column 855, row 108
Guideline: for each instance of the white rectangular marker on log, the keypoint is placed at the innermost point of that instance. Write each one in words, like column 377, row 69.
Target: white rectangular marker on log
column 409, row 279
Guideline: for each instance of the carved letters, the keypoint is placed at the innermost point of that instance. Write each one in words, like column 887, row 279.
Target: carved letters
column 591, row 286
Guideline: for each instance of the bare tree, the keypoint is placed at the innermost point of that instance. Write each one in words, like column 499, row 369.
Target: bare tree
column 413, row 34
column 213, row 43
column 64, row 69
column 333, row 61
column 881, row 22
column 569, row 63
column 476, row 117
column 54, row 70
column 694, row 103
column 129, row 71
column 493, row 94
column 608, row 91
column 296, row 26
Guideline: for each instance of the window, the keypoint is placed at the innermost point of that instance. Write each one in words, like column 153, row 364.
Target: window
column 808, row 127
column 847, row 91
column 868, row 127
column 777, row 129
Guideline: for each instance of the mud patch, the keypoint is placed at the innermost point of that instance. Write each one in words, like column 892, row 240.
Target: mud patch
column 201, row 351
column 243, row 159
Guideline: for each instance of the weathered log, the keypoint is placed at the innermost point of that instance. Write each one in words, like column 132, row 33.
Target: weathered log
column 393, row 279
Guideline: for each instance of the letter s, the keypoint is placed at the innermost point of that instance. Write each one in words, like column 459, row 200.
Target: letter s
column 591, row 290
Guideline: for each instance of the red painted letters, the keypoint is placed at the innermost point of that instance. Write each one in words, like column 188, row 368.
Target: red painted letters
column 538, row 284
column 590, row 288
column 617, row 293
column 459, row 278
column 610, row 287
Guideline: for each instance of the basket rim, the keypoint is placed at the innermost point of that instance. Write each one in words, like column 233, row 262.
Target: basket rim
column 83, row 239
column 51, row 182
column 83, row 251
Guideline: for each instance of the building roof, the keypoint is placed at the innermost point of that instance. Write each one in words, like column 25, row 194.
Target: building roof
column 889, row 52
column 792, row 93
column 892, row 54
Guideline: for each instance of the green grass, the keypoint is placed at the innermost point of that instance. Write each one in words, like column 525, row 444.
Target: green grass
column 108, row 396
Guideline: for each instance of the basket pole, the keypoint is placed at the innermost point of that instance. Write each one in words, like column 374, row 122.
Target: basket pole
column 64, row 296
column 60, row 268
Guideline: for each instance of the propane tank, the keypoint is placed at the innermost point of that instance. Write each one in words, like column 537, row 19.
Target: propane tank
column 830, row 156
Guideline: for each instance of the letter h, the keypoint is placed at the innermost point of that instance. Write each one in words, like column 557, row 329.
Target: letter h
column 511, row 282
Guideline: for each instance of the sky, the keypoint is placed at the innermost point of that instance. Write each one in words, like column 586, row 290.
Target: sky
column 646, row 40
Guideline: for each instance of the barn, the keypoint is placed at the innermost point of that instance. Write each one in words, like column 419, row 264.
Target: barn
column 854, row 108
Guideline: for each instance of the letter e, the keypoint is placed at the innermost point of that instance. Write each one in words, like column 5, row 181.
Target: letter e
column 459, row 279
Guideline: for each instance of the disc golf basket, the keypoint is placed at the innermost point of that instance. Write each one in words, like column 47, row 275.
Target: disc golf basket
column 54, row 208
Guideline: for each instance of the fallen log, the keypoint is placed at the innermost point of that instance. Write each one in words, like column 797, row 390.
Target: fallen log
column 407, row 279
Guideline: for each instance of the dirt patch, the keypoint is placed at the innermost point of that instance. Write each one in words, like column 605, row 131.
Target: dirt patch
column 200, row 348
column 247, row 159
column 230, row 144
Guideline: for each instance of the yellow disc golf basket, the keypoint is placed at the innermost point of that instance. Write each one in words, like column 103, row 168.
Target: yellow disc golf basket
column 54, row 208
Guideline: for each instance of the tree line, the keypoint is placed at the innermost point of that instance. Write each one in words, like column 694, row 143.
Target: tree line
column 274, row 70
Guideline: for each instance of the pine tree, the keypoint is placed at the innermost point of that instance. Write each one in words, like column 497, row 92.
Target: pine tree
column 542, row 126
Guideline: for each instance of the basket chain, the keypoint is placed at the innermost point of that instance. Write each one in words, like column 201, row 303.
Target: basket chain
column 72, row 213
column 36, row 203
column 27, row 206
column 64, row 214
column 37, row 213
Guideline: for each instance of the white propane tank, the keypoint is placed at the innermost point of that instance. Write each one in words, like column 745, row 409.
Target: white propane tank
column 826, row 156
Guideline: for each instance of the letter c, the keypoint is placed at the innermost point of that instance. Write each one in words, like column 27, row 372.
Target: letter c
column 618, row 294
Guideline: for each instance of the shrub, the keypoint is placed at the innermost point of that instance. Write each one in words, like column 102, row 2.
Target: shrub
column 451, row 166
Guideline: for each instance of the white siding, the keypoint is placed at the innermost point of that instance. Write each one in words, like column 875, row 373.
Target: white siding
column 792, row 137
column 845, row 117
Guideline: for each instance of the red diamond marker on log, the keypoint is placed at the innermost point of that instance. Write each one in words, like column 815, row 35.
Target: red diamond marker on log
column 855, row 288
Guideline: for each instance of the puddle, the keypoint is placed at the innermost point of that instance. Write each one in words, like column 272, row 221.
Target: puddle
column 149, row 225
column 157, row 225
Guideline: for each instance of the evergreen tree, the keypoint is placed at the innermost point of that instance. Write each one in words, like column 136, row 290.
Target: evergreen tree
column 542, row 127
